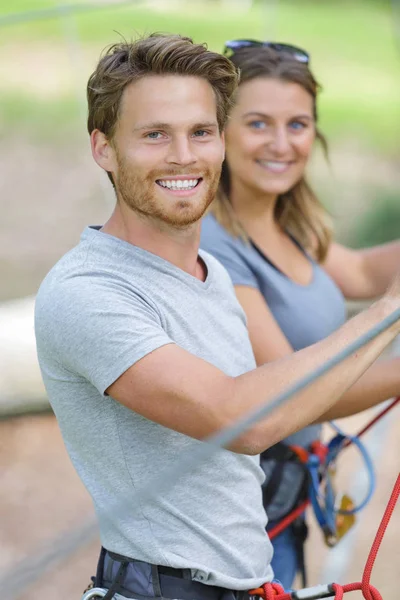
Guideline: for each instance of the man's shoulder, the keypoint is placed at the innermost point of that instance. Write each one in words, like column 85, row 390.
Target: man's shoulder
column 70, row 266
column 84, row 277
column 93, row 262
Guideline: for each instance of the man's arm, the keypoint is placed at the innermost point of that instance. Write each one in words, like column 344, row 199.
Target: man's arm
column 380, row 382
column 182, row 392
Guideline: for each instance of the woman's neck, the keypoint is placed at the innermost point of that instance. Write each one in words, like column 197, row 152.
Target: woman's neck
column 255, row 211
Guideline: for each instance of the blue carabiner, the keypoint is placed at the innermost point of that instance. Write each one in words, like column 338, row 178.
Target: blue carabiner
column 324, row 511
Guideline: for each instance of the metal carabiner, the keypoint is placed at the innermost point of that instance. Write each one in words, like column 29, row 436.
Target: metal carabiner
column 94, row 593
column 100, row 593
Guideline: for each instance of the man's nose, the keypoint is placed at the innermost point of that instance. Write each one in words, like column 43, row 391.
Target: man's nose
column 181, row 152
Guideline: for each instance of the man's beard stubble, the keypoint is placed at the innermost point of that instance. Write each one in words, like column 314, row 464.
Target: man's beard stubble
column 137, row 194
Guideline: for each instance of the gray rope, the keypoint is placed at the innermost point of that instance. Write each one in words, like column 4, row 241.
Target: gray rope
column 29, row 570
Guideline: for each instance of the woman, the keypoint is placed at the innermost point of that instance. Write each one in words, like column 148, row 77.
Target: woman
column 272, row 234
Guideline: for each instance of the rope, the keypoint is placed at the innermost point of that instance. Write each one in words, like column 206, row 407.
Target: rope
column 273, row 591
column 368, row 426
column 380, row 534
column 286, row 521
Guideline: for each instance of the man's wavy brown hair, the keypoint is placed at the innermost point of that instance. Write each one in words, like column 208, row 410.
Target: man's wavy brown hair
column 157, row 54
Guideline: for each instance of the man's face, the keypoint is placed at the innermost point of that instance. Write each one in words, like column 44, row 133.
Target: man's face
column 167, row 149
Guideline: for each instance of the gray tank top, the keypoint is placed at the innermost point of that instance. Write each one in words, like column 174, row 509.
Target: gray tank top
column 305, row 313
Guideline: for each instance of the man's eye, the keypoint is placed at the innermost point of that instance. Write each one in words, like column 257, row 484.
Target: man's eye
column 154, row 135
column 200, row 133
column 257, row 125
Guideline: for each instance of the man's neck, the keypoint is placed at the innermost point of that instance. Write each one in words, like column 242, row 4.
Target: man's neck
column 178, row 246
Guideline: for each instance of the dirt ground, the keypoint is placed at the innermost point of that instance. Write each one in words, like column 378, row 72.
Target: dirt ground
column 41, row 498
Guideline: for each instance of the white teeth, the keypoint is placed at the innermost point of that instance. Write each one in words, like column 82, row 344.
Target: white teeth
column 173, row 184
column 274, row 165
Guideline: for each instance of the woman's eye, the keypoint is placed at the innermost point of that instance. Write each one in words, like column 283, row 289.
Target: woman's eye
column 257, row 124
column 297, row 125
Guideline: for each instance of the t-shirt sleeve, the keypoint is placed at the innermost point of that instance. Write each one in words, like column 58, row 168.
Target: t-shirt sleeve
column 96, row 328
column 232, row 254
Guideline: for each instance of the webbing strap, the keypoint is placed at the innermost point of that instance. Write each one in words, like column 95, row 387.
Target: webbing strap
column 116, row 584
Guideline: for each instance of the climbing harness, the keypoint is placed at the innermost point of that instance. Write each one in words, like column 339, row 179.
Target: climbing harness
column 313, row 485
column 274, row 591
column 334, row 518
column 319, row 465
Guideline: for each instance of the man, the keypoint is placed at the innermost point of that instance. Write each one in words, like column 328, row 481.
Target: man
column 144, row 349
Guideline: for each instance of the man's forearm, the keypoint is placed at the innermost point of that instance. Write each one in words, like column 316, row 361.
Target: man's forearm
column 380, row 382
column 317, row 399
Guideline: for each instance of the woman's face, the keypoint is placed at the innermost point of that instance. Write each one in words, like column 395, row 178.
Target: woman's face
column 269, row 136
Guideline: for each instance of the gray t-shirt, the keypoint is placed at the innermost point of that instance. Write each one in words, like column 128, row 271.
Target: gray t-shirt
column 104, row 306
column 305, row 313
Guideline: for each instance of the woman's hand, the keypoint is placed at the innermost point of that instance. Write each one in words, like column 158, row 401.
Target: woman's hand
column 363, row 274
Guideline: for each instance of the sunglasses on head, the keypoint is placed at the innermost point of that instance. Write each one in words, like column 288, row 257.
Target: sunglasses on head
column 233, row 46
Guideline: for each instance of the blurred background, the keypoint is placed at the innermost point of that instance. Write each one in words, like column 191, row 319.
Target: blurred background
column 50, row 189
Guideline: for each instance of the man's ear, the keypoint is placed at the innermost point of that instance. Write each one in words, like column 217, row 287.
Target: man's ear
column 102, row 151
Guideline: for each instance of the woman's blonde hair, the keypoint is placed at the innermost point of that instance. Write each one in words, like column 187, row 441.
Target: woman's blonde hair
column 298, row 211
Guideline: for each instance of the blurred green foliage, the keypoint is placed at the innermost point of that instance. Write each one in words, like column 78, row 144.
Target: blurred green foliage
column 351, row 42
column 379, row 224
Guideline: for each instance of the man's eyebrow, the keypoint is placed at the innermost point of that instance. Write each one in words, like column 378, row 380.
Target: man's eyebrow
column 265, row 116
column 205, row 124
column 156, row 125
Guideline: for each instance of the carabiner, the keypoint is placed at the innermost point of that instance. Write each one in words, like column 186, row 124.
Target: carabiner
column 94, row 593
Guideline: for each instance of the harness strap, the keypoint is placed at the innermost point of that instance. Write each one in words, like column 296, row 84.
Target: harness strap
column 131, row 578
column 117, row 581
column 274, row 482
column 300, row 531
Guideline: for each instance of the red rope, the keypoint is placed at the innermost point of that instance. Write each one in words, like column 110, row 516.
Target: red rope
column 273, row 591
column 373, row 421
column 285, row 522
column 340, row 590
column 368, row 591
